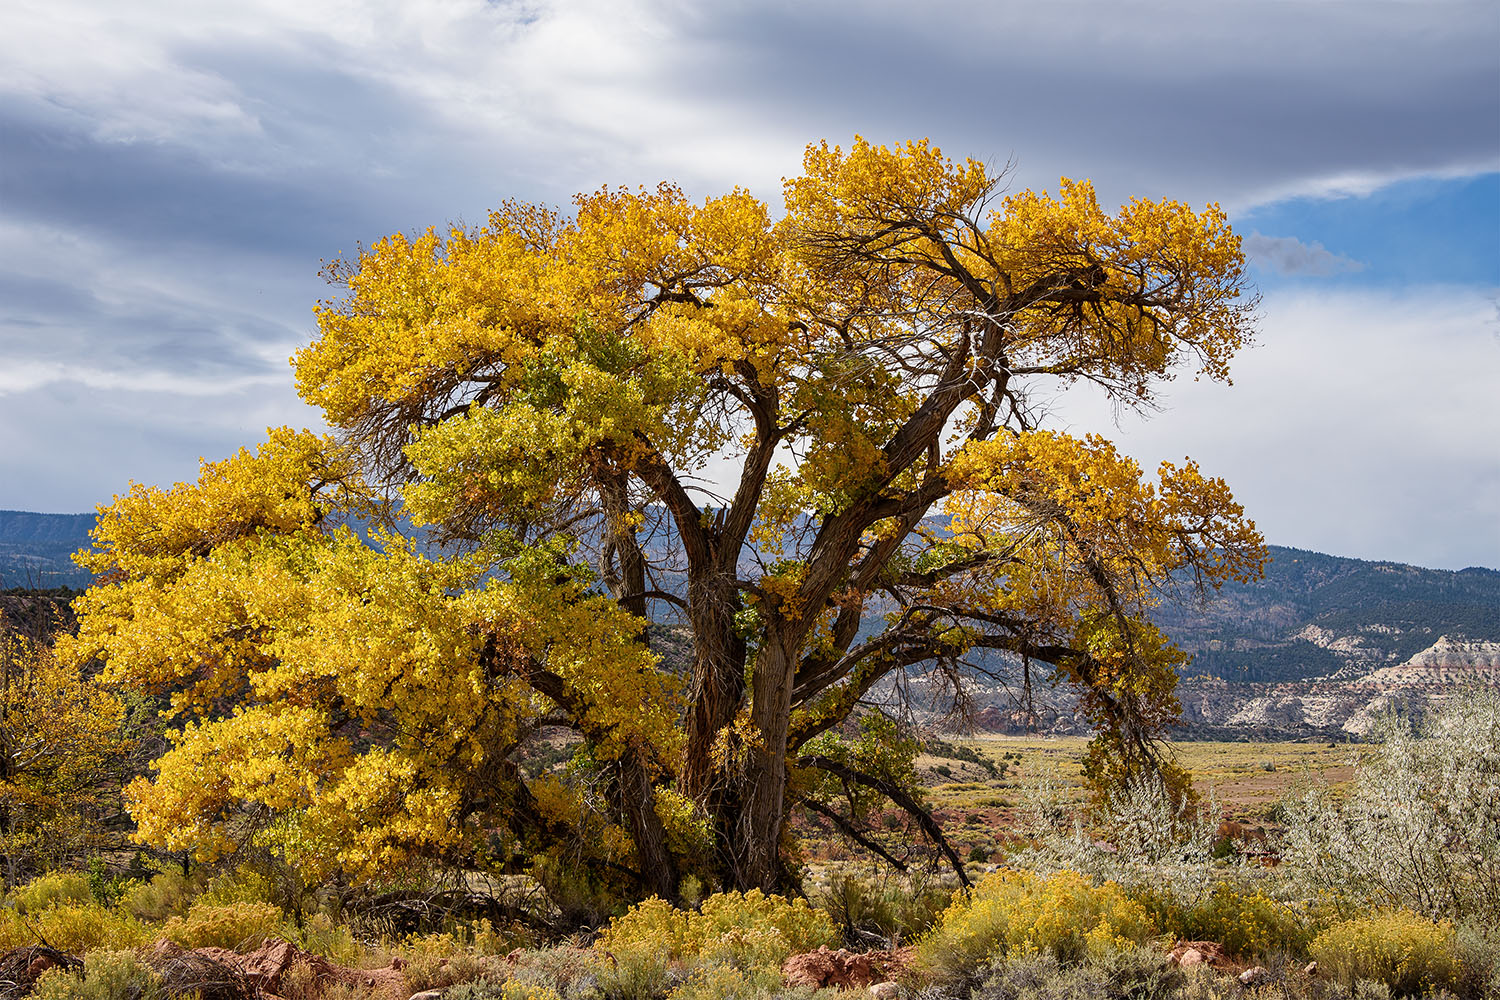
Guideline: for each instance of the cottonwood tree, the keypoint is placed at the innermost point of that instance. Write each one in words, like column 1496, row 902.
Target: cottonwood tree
column 60, row 746
column 552, row 395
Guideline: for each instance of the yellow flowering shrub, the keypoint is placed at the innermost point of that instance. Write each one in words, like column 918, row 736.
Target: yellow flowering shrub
column 654, row 920
column 233, row 926
column 1246, row 923
column 723, row 982
column 527, row 991
column 50, row 890
column 1018, row 912
column 1407, row 952
column 754, row 930
column 747, row 930
column 107, row 975
column 441, row 947
column 73, row 928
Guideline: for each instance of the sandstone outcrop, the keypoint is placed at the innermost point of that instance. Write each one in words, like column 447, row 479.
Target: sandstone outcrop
column 843, row 969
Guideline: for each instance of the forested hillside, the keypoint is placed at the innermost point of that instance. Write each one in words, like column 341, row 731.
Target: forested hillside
column 1313, row 615
column 35, row 549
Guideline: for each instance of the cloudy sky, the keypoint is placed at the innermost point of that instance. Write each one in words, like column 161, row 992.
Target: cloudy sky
column 172, row 173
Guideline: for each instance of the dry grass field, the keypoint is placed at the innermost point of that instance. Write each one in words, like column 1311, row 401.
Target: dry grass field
column 981, row 810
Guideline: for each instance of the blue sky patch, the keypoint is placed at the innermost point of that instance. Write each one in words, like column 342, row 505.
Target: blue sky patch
column 1413, row 232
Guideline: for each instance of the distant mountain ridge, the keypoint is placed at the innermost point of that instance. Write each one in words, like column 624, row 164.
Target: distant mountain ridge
column 1315, row 615
column 1311, row 616
column 1318, row 648
column 25, row 527
column 1321, row 647
column 36, row 549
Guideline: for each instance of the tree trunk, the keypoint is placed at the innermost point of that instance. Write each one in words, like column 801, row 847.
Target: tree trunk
column 718, row 681
column 638, row 802
column 765, row 793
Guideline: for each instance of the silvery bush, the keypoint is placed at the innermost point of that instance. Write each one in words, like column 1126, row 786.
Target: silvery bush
column 1420, row 827
column 1140, row 837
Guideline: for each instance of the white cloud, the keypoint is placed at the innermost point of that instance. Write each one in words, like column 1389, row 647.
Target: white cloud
column 1240, row 101
column 1362, row 424
column 174, row 170
column 30, row 376
column 77, row 307
column 1287, row 255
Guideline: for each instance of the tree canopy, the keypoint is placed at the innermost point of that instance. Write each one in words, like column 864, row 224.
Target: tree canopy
column 62, row 745
column 552, row 396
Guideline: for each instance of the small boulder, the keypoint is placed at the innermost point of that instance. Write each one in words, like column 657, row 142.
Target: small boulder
column 885, row 991
column 842, row 969
column 428, row 995
column 1254, row 975
column 1187, row 954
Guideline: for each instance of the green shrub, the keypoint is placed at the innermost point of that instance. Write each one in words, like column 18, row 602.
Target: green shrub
column 1125, row 974
column 52, row 889
column 637, row 973
column 167, row 895
column 502, row 991
column 1408, row 953
column 108, row 975
column 321, row 936
column 105, row 887
column 1016, row 911
column 1478, row 949
column 584, row 899
column 894, row 909
column 566, row 970
column 235, row 926
column 243, row 885
column 723, row 982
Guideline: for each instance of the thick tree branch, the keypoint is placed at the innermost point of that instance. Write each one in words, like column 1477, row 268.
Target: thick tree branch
column 658, row 476
column 897, row 795
column 764, row 407
column 849, row 830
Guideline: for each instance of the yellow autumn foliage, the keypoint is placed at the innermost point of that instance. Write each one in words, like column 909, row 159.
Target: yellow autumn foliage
column 1408, row 953
column 541, row 395
column 60, row 745
column 1019, row 912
